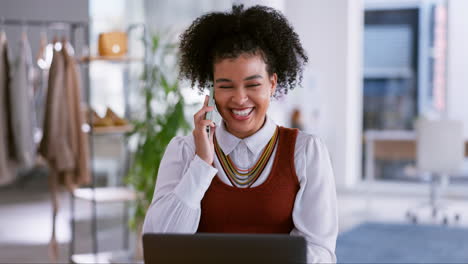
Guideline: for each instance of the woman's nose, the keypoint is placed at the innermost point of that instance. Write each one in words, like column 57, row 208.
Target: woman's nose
column 240, row 97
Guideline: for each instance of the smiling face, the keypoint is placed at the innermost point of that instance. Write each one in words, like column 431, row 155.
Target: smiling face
column 242, row 93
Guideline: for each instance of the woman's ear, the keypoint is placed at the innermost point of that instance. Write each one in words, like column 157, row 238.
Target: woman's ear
column 273, row 81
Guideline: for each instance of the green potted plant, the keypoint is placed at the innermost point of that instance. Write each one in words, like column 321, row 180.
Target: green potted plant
column 161, row 118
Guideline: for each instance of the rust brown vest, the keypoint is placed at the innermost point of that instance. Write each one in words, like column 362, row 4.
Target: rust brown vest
column 266, row 208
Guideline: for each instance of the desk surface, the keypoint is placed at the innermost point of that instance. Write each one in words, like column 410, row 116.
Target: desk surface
column 390, row 145
column 395, row 144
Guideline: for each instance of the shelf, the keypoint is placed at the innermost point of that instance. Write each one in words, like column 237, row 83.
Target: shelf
column 105, row 194
column 98, row 130
column 121, row 59
column 104, row 258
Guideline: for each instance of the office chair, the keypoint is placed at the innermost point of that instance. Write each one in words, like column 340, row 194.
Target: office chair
column 439, row 153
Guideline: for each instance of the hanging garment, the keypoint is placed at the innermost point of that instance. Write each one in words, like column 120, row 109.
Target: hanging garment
column 64, row 144
column 22, row 110
column 79, row 141
column 55, row 144
column 7, row 173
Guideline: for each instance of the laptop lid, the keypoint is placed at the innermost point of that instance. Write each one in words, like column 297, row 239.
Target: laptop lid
column 223, row 248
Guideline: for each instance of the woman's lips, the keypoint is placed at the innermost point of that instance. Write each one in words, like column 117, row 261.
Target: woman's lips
column 241, row 117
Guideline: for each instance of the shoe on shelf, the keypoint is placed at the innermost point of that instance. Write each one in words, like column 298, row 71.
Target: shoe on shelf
column 98, row 121
column 116, row 120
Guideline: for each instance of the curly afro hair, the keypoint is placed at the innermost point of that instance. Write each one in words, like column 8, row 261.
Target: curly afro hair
column 258, row 30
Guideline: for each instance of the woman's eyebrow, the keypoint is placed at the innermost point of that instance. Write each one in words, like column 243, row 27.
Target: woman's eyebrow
column 257, row 76
column 222, row 80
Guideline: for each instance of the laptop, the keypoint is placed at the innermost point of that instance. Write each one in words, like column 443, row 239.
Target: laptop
column 223, row 248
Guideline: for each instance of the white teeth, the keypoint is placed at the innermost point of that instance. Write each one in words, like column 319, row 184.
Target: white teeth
column 243, row 112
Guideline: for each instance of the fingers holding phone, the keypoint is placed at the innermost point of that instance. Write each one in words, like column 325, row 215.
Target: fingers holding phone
column 204, row 131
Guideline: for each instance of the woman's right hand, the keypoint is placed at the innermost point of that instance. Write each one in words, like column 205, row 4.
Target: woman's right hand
column 204, row 146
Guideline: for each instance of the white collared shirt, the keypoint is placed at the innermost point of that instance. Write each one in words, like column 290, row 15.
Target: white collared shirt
column 183, row 179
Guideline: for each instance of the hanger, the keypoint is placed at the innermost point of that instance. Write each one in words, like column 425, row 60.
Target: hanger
column 57, row 44
column 45, row 52
column 43, row 41
column 24, row 30
column 58, row 27
column 64, row 43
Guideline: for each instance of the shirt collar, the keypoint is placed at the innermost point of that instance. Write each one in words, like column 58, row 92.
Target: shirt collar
column 255, row 143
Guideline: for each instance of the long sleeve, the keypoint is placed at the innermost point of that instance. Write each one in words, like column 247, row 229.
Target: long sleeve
column 183, row 179
column 315, row 213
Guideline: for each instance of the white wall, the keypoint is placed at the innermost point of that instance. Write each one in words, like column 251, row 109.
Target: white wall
column 353, row 88
column 331, row 32
column 177, row 15
column 457, row 62
column 277, row 4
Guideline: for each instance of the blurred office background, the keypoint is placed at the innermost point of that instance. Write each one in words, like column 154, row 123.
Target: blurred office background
column 376, row 68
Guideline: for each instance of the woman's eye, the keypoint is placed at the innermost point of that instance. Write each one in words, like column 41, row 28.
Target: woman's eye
column 224, row 87
column 253, row 85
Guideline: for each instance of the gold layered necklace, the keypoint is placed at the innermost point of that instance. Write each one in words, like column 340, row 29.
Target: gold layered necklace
column 245, row 177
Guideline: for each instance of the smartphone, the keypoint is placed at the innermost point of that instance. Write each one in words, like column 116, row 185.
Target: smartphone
column 209, row 115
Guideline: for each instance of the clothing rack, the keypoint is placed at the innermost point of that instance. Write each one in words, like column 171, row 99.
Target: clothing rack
column 72, row 28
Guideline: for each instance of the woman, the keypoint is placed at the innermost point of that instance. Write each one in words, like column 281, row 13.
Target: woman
column 248, row 175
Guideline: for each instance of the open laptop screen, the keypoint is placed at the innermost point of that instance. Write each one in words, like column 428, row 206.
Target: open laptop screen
column 223, row 248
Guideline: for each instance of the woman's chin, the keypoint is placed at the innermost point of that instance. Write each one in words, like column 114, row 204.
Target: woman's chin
column 241, row 129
